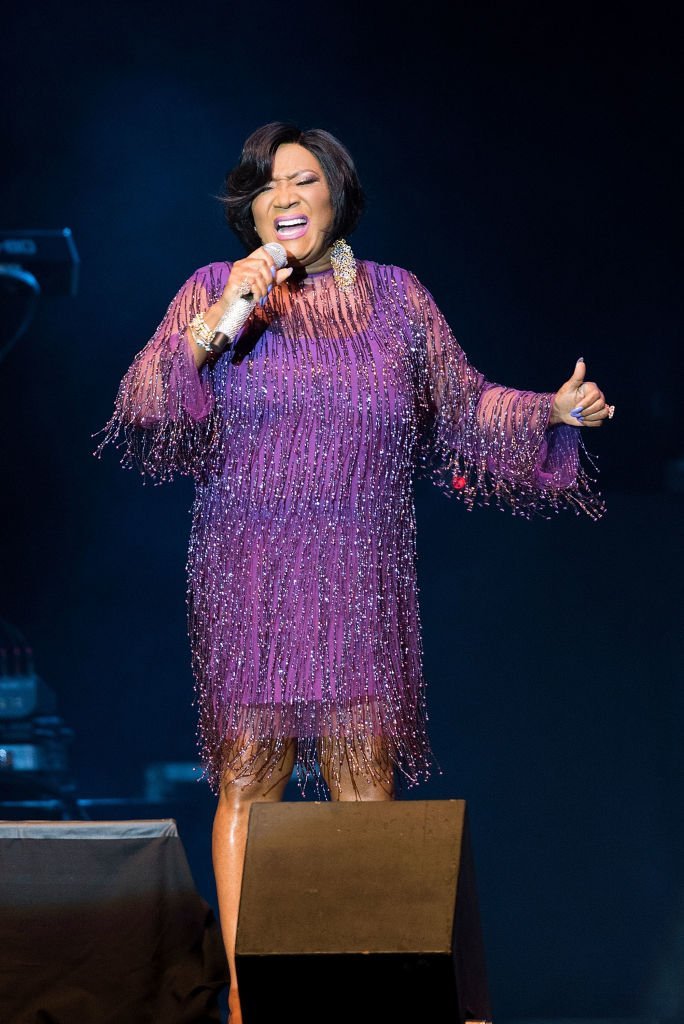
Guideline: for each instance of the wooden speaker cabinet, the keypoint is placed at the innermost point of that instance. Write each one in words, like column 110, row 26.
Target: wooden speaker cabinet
column 360, row 912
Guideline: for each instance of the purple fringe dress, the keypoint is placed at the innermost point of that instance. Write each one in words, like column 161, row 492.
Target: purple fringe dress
column 303, row 439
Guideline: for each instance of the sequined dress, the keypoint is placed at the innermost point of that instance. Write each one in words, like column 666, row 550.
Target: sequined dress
column 304, row 439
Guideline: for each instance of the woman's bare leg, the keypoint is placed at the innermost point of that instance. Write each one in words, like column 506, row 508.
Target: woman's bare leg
column 356, row 772
column 229, row 839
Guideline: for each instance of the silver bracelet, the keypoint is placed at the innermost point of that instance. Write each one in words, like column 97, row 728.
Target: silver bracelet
column 202, row 344
column 202, row 333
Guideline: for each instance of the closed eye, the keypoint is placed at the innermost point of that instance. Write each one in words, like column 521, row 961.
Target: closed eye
column 271, row 185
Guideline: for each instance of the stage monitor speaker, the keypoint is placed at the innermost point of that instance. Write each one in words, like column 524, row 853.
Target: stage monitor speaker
column 360, row 912
column 101, row 923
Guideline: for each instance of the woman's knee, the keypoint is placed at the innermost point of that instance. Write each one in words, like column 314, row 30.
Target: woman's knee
column 358, row 771
column 259, row 774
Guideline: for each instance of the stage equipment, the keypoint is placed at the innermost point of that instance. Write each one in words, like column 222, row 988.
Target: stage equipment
column 101, row 921
column 34, row 741
column 360, row 911
column 168, row 780
column 32, row 263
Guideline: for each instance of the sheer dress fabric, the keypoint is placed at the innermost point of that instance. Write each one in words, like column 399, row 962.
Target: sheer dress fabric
column 304, row 439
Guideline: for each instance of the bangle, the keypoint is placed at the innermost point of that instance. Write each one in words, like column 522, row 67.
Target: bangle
column 202, row 332
column 202, row 344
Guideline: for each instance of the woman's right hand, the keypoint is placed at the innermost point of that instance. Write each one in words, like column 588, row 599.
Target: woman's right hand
column 255, row 274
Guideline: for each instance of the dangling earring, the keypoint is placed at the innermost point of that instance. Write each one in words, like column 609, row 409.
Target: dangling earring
column 343, row 265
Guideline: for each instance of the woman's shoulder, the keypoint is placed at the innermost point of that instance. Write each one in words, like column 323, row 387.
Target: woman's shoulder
column 390, row 272
column 218, row 271
column 395, row 277
column 210, row 279
column 386, row 269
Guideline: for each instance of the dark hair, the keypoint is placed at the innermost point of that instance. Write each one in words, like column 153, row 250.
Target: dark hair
column 254, row 169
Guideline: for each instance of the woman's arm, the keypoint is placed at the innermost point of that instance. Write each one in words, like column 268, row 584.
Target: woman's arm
column 256, row 274
column 166, row 417
column 488, row 442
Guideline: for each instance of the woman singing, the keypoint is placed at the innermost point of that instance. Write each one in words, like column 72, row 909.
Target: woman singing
column 304, row 432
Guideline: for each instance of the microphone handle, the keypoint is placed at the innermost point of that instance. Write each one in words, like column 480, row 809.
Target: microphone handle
column 232, row 320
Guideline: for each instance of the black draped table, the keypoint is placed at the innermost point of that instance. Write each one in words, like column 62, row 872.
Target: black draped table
column 101, row 923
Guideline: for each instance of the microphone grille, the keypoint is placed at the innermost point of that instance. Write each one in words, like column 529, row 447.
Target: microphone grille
column 278, row 253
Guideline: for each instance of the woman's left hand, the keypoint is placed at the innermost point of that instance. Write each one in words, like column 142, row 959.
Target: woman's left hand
column 580, row 403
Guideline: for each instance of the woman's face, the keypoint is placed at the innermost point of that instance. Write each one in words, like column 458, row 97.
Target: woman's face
column 295, row 208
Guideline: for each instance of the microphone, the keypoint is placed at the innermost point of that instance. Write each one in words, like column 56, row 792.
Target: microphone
column 236, row 314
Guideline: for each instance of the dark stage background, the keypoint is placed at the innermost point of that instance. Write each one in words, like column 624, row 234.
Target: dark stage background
column 525, row 163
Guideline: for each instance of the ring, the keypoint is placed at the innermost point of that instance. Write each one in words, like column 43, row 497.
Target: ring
column 246, row 287
column 611, row 410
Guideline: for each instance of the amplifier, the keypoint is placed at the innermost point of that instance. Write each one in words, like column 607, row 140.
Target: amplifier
column 24, row 695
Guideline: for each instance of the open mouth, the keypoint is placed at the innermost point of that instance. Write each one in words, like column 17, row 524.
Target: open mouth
column 291, row 227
